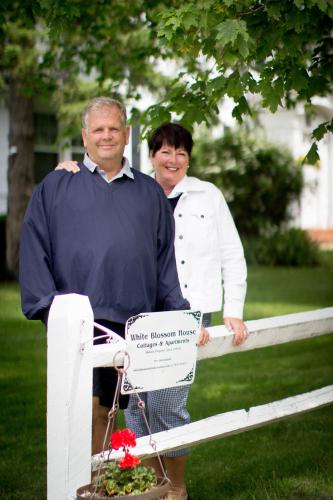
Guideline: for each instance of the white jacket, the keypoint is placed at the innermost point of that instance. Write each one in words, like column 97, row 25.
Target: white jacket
column 209, row 252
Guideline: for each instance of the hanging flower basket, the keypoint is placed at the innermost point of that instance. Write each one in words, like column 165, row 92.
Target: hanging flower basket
column 124, row 478
column 159, row 490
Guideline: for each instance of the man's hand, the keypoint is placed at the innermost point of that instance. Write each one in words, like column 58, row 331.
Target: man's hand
column 204, row 337
column 239, row 328
column 69, row 165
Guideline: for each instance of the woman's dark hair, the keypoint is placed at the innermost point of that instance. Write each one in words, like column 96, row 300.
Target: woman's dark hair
column 173, row 135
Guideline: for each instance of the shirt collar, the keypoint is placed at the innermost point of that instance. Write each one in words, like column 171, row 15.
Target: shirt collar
column 92, row 166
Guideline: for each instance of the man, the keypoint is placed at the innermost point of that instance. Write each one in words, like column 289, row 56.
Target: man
column 107, row 232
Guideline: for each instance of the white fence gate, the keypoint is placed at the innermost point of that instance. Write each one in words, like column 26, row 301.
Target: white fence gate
column 71, row 356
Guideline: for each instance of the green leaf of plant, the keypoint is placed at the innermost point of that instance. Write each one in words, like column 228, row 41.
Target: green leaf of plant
column 322, row 4
column 234, row 86
column 217, row 84
column 271, row 95
column 228, row 31
column 299, row 78
column 274, row 10
column 243, row 48
column 299, row 3
column 241, row 109
column 320, row 131
column 312, row 155
column 189, row 19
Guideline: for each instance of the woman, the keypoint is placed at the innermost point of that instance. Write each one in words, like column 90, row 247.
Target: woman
column 210, row 260
column 208, row 248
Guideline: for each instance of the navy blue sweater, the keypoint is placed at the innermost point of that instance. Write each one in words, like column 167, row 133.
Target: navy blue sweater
column 113, row 242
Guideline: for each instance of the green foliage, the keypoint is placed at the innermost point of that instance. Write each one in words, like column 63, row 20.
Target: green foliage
column 259, row 180
column 115, row 481
column 291, row 247
column 21, row 58
column 49, row 47
column 279, row 50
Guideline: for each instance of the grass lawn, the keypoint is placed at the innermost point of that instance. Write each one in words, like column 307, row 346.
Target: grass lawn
column 292, row 459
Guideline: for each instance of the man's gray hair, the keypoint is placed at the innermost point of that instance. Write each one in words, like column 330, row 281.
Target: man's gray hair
column 102, row 102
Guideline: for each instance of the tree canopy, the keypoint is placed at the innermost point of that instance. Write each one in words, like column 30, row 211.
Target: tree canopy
column 278, row 50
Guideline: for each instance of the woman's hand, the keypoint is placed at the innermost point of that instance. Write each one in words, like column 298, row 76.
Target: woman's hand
column 69, row 165
column 204, row 337
column 239, row 328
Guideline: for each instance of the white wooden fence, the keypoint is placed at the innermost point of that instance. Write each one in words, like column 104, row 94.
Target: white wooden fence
column 71, row 357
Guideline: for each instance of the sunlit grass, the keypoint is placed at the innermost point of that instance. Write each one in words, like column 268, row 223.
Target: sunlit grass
column 291, row 459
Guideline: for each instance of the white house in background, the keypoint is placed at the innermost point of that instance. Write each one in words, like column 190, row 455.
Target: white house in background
column 292, row 128
column 289, row 128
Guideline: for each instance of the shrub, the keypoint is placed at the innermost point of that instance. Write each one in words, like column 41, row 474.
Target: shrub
column 292, row 247
column 259, row 180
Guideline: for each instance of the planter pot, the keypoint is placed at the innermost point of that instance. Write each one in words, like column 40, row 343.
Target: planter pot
column 163, row 485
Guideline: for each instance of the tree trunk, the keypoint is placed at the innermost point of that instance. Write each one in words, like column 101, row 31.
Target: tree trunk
column 20, row 169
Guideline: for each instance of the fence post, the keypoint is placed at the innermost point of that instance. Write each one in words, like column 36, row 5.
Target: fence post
column 69, row 395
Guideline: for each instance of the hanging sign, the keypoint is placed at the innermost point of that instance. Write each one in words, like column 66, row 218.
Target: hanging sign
column 162, row 350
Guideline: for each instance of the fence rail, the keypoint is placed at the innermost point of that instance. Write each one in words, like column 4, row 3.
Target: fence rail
column 229, row 423
column 71, row 357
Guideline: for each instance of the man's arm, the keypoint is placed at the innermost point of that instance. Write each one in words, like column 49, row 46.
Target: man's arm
column 36, row 281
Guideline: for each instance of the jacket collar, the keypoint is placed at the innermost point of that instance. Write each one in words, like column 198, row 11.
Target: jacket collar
column 186, row 185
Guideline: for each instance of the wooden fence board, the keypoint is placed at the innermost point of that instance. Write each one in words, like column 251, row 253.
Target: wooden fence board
column 270, row 331
column 226, row 424
column 263, row 333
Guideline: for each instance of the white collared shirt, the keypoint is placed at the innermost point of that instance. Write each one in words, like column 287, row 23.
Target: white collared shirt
column 92, row 166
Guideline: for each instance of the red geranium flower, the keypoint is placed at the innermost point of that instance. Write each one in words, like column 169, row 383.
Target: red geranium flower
column 129, row 438
column 123, row 439
column 116, row 440
column 128, row 461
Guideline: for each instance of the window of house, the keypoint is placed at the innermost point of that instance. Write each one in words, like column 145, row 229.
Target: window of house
column 77, row 148
column 46, row 154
